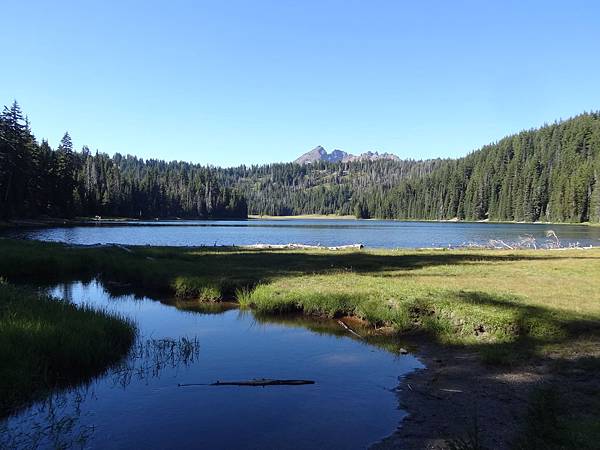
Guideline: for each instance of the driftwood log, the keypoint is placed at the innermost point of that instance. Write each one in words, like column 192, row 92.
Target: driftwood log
column 349, row 330
column 255, row 382
column 302, row 246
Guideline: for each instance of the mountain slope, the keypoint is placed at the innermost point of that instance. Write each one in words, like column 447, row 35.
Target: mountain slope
column 549, row 174
column 316, row 188
column 546, row 174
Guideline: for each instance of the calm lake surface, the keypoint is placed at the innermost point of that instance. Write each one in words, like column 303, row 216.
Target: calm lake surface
column 140, row 405
column 371, row 233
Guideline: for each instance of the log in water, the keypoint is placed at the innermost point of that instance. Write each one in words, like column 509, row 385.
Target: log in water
column 255, row 382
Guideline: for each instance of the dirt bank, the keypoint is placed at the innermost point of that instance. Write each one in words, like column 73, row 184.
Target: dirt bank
column 457, row 396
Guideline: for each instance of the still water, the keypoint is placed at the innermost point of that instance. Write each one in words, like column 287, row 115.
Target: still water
column 141, row 405
column 371, row 233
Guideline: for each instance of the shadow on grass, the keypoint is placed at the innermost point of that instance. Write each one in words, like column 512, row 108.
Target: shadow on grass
column 529, row 328
column 503, row 329
column 212, row 273
column 563, row 406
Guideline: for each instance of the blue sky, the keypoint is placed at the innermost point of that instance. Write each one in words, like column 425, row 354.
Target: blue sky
column 231, row 82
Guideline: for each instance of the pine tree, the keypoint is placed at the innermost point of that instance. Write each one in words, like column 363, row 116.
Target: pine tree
column 65, row 172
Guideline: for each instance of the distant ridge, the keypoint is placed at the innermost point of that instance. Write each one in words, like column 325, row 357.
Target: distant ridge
column 320, row 154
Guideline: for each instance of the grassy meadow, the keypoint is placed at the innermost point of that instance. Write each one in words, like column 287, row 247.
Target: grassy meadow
column 513, row 307
column 47, row 343
column 497, row 301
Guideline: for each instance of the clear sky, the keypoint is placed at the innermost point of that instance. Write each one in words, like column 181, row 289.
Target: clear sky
column 228, row 82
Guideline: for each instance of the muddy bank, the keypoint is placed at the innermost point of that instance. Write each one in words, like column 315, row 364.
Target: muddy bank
column 457, row 396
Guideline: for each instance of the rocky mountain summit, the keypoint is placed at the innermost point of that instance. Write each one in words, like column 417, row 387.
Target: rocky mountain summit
column 320, row 154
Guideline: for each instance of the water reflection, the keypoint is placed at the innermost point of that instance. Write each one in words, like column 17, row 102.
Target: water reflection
column 150, row 357
column 57, row 421
column 138, row 403
column 52, row 423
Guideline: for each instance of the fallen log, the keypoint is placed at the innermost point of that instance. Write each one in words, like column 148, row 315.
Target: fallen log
column 302, row 246
column 263, row 382
column 256, row 382
column 122, row 247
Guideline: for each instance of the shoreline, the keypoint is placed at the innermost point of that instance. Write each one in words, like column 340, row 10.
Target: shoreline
column 46, row 343
column 303, row 217
column 350, row 217
column 89, row 221
column 125, row 221
column 455, row 383
column 486, row 343
column 500, row 407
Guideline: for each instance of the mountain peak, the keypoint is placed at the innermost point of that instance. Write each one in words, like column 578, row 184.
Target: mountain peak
column 320, row 154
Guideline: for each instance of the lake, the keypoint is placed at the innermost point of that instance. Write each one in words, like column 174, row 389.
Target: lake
column 141, row 405
column 371, row 233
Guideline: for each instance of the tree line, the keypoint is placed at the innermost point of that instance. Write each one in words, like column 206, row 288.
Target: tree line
column 36, row 180
column 550, row 174
column 546, row 174
column 318, row 188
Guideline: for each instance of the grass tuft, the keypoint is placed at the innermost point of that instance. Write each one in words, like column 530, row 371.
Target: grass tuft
column 47, row 343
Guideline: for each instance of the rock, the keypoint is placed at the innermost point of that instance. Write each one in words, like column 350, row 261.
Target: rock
column 320, row 154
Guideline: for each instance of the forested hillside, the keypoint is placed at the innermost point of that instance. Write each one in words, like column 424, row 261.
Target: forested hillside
column 550, row 174
column 36, row 180
column 320, row 187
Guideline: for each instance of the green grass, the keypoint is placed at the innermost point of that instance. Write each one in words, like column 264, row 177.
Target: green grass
column 48, row 343
column 452, row 316
column 507, row 304
column 510, row 306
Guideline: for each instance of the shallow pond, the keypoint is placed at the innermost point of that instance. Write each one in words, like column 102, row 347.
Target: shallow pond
column 141, row 405
column 372, row 233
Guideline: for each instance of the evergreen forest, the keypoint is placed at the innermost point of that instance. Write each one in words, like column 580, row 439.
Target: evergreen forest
column 546, row 174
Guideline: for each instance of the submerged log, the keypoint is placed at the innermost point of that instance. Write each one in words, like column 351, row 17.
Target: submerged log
column 255, row 382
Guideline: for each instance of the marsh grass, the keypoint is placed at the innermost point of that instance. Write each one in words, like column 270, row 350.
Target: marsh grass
column 47, row 343
column 506, row 304
column 502, row 326
column 510, row 306
column 196, row 287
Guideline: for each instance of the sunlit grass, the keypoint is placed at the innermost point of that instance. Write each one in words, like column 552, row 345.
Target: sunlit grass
column 510, row 306
column 470, row 297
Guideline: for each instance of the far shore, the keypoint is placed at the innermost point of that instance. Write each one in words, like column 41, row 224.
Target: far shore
column 453, row 220
column 303, row 216
column 83, row 221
